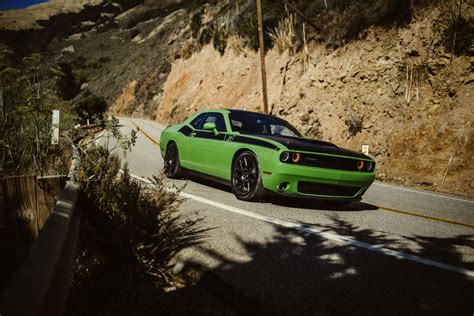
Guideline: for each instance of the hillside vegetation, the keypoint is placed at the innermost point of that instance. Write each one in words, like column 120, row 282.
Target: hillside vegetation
column 396, row 75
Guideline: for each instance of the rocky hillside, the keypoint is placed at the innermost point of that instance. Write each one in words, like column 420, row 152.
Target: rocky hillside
column 390, row 74
column 27, row 18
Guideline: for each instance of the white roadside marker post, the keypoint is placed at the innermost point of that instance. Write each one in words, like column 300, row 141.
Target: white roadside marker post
column 365, row 149
column 55, row 128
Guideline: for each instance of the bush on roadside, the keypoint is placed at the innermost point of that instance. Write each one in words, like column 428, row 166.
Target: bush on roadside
column 29, row 95
column 284, row 35
column 129, row 235
column 457, row 26
column 90, row 106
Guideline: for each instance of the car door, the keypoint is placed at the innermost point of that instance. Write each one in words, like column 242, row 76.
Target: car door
column 205, row 147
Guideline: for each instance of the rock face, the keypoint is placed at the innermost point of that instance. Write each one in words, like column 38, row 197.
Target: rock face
column 26, row 18
column 159, row 3
column 354, row 95
column 389, row 88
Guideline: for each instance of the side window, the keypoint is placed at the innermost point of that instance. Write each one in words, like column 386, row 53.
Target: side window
column 198, row 122
column 217, row 118
column 236, row 125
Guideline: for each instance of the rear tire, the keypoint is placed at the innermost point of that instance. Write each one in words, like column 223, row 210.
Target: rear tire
column 172, row 166
column 246, row 179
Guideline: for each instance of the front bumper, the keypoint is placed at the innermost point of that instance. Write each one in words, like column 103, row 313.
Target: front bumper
column 321, row 183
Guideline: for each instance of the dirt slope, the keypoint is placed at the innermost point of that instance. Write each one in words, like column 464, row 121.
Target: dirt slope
column 351, row 96
column 26, row 18
column 392, row 85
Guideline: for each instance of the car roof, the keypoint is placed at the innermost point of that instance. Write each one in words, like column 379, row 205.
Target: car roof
column 247, row 112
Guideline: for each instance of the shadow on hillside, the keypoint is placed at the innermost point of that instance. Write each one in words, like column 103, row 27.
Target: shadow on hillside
column 299, row 273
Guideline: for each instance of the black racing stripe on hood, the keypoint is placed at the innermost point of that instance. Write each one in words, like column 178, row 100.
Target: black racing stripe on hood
column 310, row 145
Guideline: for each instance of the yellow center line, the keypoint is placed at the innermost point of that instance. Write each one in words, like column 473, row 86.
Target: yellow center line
column 444, row 220
column 146, row 134
column 383, row 208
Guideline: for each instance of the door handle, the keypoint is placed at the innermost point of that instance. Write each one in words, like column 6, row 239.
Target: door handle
column 192, row 134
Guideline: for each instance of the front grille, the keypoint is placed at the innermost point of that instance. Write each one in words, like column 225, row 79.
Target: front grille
column 330, row 162
column 326, row 189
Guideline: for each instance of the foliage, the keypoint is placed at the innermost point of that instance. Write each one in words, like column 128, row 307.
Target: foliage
column 413, row 72
column 284, row 35
column 145, row 16
column 355, row 123
column 29, row 97
column 187, row 49
column 130, row 233
column 237, row 20
column 68, row 86
column 457, row 26
column 90, row 106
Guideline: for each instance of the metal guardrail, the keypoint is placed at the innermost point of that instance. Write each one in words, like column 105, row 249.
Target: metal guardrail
column 41, row 285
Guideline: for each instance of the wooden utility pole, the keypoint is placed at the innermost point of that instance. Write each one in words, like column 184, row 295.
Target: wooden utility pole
column 262, row 56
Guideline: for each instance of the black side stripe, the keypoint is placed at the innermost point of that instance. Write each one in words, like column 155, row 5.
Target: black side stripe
column 254, row 141
column 209, row 135
column 186, row 130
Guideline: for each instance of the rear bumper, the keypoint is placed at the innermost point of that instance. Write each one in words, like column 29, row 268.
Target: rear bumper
column 320, row 183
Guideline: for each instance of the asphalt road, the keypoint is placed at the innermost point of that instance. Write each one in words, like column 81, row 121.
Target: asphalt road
column 398, row 251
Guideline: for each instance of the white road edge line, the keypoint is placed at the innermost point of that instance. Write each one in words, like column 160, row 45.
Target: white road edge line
column 330, row 236
column 141, row 179
column 421, row 192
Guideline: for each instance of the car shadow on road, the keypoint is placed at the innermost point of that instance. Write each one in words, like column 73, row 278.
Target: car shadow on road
column 294, row 202
column 209, row 183
column 298, row 273
column 314, row 204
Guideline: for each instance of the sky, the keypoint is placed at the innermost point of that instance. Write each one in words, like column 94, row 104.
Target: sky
column 18, row 4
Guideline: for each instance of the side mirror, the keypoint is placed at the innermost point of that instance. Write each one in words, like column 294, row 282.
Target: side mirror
column 210, row 127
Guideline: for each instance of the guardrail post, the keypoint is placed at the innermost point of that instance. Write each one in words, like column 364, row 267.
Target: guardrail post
column 48, row 190
column 20, row 207
column 41, row 285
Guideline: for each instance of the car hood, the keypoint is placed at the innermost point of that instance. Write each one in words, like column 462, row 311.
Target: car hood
column 311, row 145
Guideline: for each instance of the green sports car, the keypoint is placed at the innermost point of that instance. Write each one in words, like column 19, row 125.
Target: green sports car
column 257, row 154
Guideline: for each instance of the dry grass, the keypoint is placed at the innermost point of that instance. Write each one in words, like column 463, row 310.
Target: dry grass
column 413, row 72
column 187, row 48
column 284, row 35
column 457, row 26
column 304, row 55
column 235, row 43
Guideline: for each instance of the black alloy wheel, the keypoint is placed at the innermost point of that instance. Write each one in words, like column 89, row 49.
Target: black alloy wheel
column 171, row 164
column 246, row 180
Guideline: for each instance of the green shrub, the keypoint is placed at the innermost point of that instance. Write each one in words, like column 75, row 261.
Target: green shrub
column 29, row 95
column 129, row 234
column 90, row 107
column 457, row 26
column 68, row 86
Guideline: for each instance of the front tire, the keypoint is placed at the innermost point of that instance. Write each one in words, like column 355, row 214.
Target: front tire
column 246, row 179
column 172, row 166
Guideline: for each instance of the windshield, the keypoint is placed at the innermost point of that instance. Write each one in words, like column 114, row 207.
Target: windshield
column 254, row 123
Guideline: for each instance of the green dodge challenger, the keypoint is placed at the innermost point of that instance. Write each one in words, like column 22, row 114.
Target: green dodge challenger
column 257, row 153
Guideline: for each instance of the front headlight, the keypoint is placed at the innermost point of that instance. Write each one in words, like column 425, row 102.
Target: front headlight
column 285, row 156
column 295, row 157
column 369, row 166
